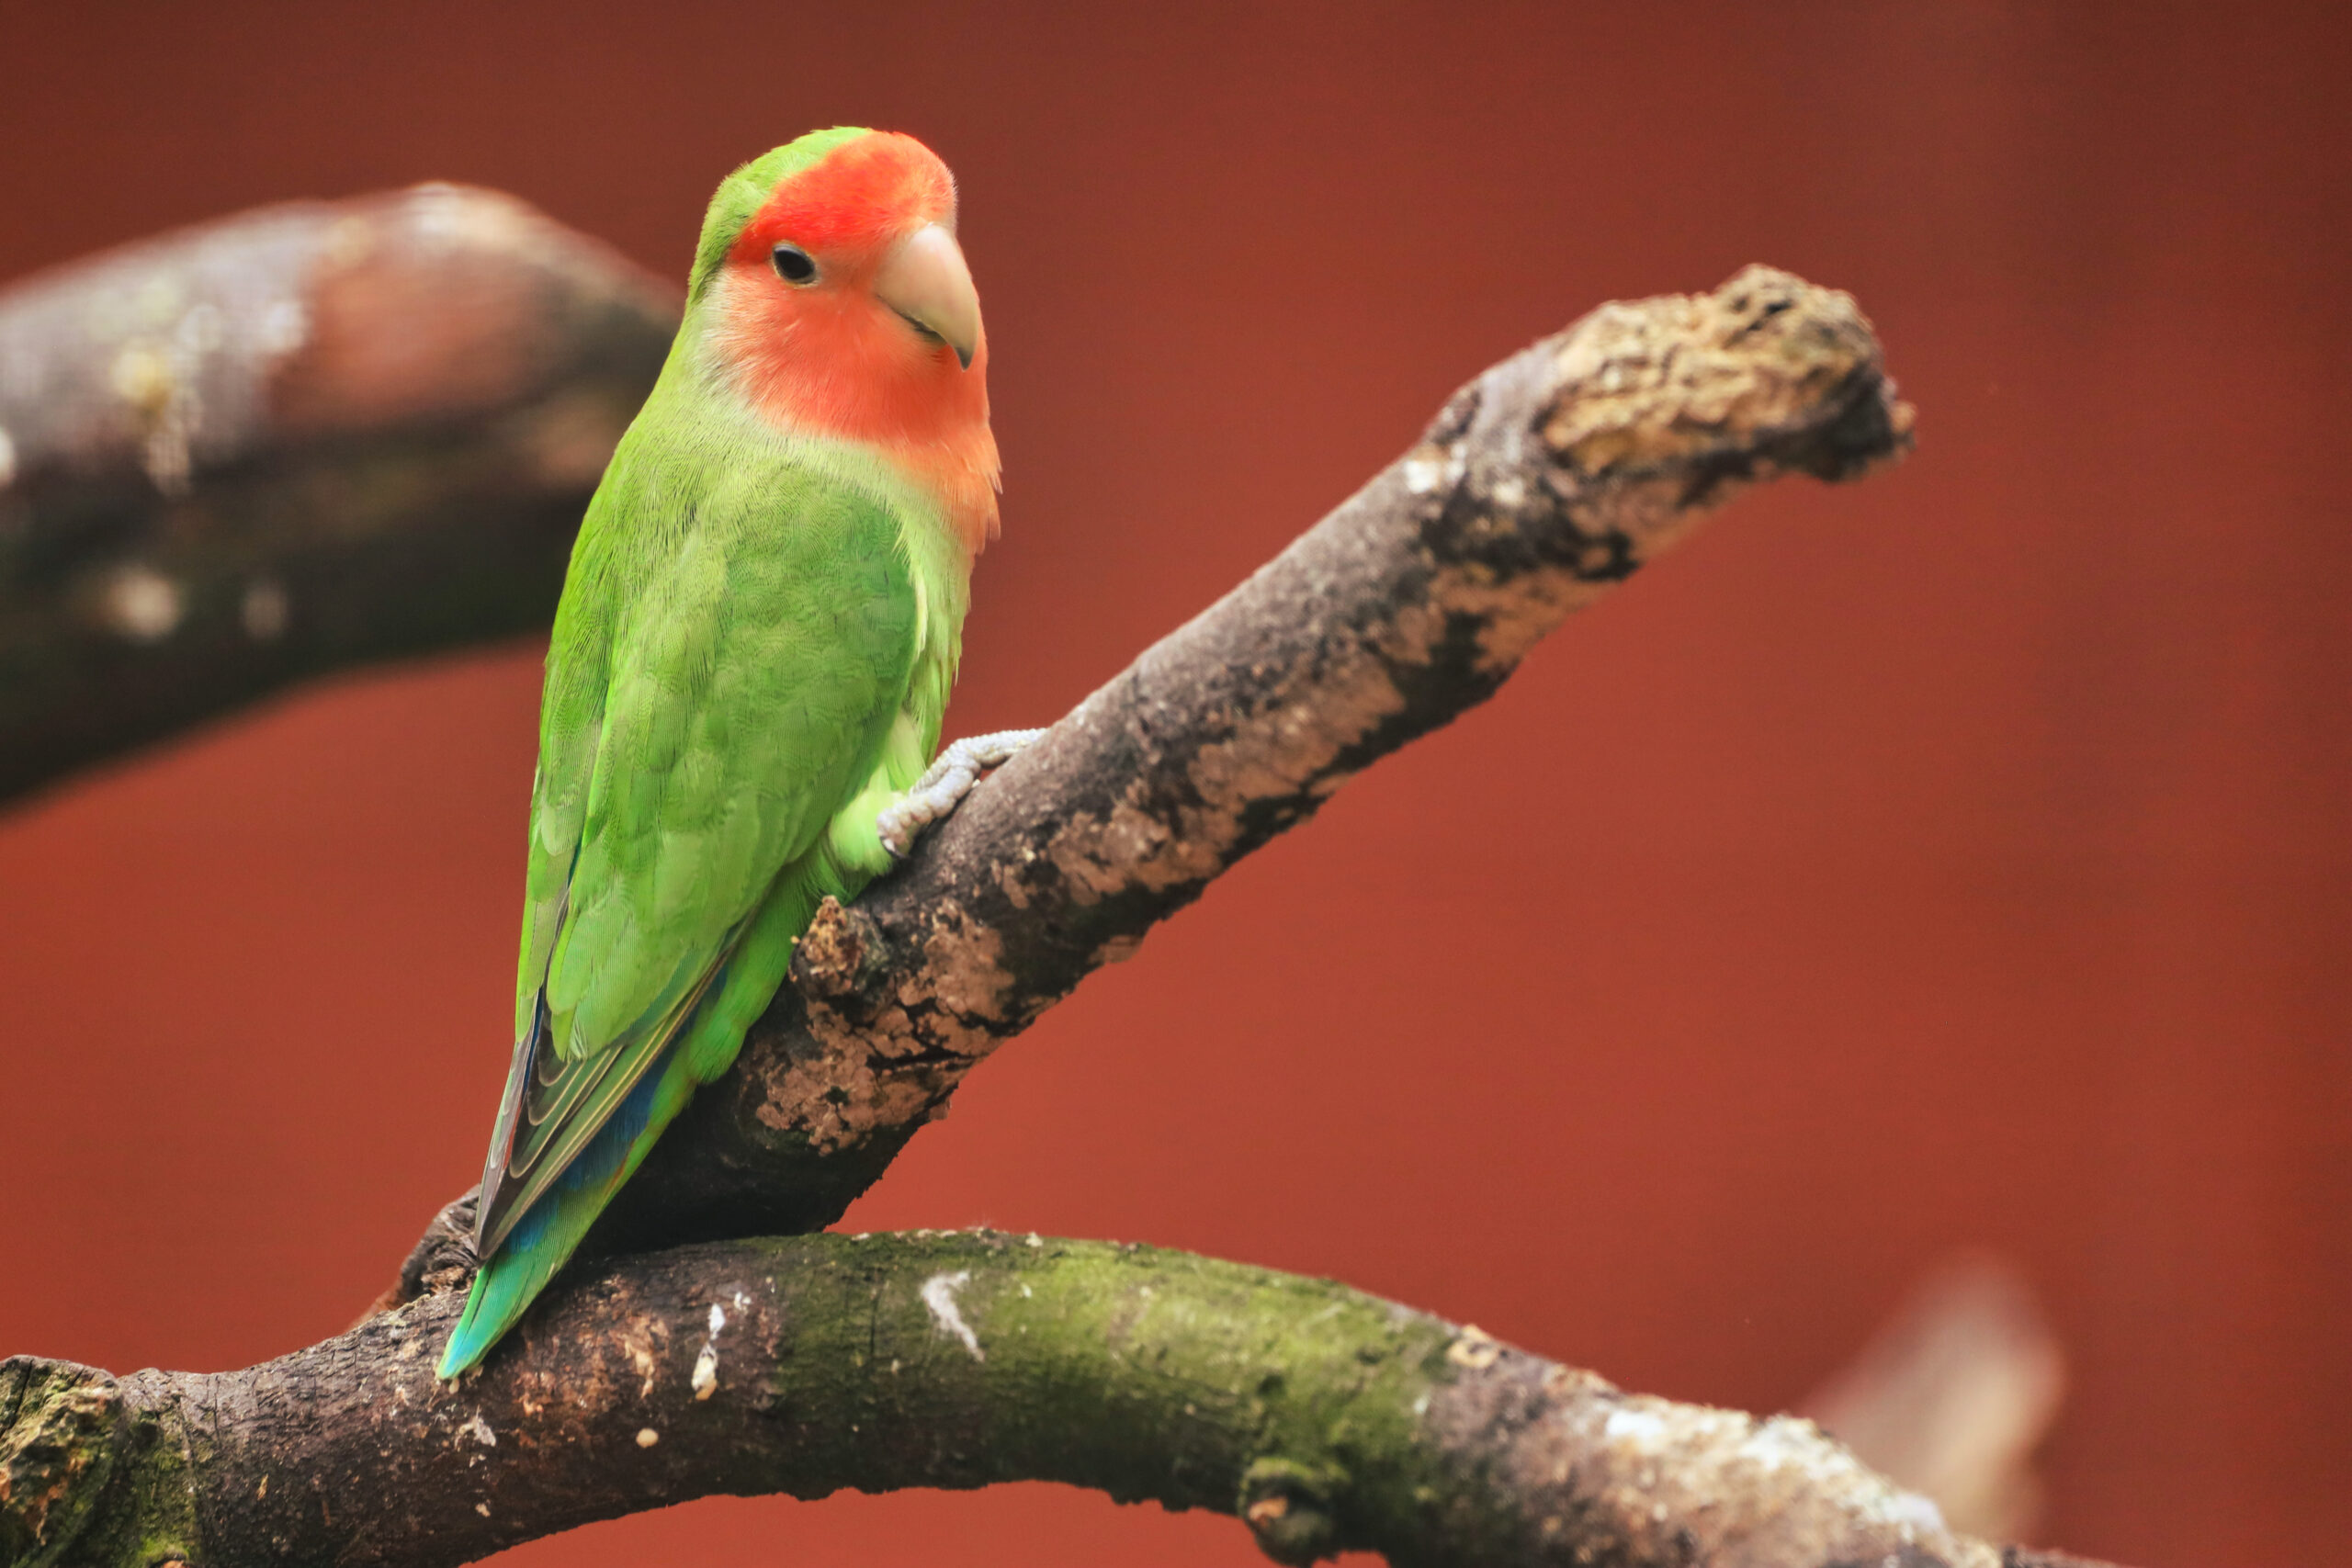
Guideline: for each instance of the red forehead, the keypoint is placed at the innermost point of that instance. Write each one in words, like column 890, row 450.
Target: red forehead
column 858, row 196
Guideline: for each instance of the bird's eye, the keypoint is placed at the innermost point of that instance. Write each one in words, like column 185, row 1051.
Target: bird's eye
column 794, row 265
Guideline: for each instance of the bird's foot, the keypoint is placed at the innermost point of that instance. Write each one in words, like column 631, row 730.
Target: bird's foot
column 943, row 785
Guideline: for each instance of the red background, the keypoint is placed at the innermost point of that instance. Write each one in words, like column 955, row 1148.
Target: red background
column 1957, row 858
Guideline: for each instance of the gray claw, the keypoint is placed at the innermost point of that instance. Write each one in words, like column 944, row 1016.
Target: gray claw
column 944, row 784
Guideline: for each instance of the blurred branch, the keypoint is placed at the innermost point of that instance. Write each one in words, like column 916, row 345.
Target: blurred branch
column 1326, row 1419
column 290, row 442
column 1953, row 1394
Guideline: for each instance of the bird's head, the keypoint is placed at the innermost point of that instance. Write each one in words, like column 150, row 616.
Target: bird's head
column 835, row 299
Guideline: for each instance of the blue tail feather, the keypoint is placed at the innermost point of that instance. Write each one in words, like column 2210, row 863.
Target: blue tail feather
column 546, row 1234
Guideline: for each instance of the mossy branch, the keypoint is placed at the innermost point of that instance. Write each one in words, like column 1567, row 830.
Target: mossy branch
column 1324, row 1418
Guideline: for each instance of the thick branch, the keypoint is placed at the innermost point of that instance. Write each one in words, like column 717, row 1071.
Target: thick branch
column 1324, row 1418
column 1541, row 486
column 1327, row 1420
column 296, row 440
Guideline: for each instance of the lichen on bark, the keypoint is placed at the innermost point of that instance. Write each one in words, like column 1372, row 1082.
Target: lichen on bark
column 1323, row 1418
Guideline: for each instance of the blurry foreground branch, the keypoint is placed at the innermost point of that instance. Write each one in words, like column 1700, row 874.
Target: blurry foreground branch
column 294, row 441
column 1325, row 1419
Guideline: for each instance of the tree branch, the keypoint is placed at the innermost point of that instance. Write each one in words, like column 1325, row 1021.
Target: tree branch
column 299, row 439
column 1541, row 485
column 1326, row 1419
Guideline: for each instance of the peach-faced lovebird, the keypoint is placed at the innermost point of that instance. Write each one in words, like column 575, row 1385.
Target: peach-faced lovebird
column 748, row 671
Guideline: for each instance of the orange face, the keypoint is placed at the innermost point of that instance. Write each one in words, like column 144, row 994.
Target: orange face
column 845, row 308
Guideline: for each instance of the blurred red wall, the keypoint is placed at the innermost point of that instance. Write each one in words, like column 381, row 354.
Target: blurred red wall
column 1958, row 858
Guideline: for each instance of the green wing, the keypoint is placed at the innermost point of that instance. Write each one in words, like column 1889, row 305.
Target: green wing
column 735, row 642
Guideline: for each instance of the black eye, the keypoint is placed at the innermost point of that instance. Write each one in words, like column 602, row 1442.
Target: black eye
column 793, row 264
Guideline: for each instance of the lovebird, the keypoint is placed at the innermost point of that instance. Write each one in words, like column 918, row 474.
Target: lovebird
column 750, row 665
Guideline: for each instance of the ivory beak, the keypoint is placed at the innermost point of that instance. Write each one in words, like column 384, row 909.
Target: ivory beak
column 925, row 281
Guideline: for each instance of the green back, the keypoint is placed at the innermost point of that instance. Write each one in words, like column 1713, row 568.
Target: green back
column 752, row 652
column 754, row 623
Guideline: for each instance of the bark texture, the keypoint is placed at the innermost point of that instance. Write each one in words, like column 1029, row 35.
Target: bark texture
column 296, row 440
column 1325, row 1419
column 1540, row 486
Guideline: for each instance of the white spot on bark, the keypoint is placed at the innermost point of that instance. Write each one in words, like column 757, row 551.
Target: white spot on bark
column 1421, row 476
column 1638, row 1427
column 446, row 216
column 142, row 604
column 647, row 1437
column 939, row 1295
column 479, row 1430
column 704, row 1379
column 1783, row 1443
column 284, row 327
column 263, row 610
column 1916, row 1511
column 482, row 1509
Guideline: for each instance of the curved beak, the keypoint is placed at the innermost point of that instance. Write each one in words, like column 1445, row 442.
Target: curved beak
column 925, row 281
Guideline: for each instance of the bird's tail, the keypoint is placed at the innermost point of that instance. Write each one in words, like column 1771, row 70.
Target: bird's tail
column 545, row 1234
column 545, row 1238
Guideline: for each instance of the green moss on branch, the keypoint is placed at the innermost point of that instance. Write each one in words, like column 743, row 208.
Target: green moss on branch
column 1325, row 1418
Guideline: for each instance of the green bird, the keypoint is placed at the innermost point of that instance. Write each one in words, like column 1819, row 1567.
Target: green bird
column 749, row 668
